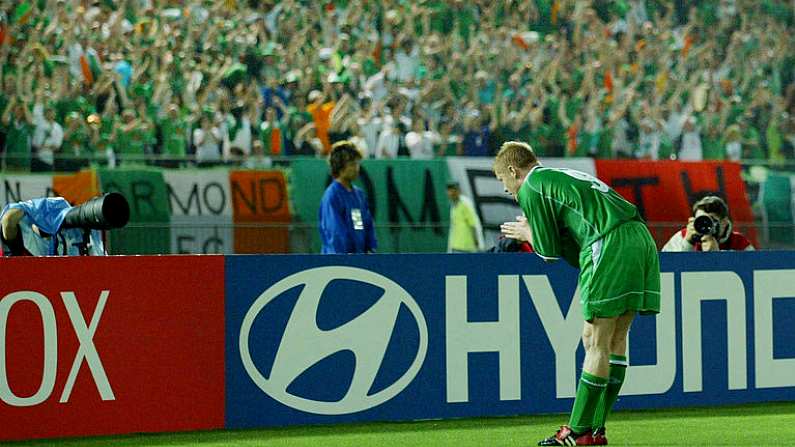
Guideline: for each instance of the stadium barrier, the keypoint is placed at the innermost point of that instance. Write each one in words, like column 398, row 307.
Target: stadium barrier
column 169, row 343
column 111, row 345
column 225, row 211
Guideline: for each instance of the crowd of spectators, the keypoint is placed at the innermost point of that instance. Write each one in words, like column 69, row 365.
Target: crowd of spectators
column 209, row 82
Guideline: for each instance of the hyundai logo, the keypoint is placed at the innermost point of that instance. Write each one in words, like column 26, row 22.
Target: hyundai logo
column 303, row 344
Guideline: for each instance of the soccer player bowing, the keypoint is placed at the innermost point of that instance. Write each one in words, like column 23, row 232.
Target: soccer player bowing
column 619, row 272
column 346, row 225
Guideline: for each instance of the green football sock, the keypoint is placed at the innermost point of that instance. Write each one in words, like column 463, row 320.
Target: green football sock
column 589, row 395
column 618, row 369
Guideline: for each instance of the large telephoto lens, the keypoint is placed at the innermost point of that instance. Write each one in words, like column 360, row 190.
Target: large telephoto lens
column 705, row 225
column 104, row 212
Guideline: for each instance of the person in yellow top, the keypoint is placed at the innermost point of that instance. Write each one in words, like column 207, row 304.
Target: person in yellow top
column 466, row 234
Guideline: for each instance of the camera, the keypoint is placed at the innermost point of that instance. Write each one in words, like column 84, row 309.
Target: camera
column 706, row 226
column 104, row 212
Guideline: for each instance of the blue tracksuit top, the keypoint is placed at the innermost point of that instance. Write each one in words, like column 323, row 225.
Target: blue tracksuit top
column 346, row 225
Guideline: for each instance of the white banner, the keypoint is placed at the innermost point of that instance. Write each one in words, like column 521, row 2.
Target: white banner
column 16, row 188
column 201, row 211
column 493, row 205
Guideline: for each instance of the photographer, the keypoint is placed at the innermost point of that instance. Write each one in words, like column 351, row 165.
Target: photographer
column 709, row 229
column 52, row 227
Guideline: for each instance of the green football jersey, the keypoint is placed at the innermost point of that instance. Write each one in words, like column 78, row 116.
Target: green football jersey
column 564, row 204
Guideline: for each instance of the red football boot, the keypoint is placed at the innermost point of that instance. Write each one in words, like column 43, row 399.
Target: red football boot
column 599, row 436
column 565, row 436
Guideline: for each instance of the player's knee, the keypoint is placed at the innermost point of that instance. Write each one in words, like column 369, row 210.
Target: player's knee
column 587, row 335
column 597, row 348
column 596, row 345
column 586, row 341
column 600, row 340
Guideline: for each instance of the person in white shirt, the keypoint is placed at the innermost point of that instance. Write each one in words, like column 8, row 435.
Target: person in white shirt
column 370, row 124
column 257, row 159
column 394, row 124
column 388, row 141
column 47, row 138
column 375, row 85
column 691, row 149
column 420, row 142
column 637, row 14
column 676, row 119
column 407, row 61
column 237, row 138
column 620, row 146
column 649, row 139
column 74, row 52
column 734, row 146
column 207, row 139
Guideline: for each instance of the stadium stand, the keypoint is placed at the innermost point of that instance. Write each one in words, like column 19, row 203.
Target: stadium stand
column 181, row 83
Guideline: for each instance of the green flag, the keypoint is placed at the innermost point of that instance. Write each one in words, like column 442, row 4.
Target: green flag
column 148, row 231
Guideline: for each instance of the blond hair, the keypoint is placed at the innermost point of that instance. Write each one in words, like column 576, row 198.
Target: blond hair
column 514, row 153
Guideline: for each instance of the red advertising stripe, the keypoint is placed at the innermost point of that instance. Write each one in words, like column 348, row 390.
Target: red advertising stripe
column 111, row 345
column 666, row 190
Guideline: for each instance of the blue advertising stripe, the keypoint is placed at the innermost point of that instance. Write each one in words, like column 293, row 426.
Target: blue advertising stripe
column 331, row 339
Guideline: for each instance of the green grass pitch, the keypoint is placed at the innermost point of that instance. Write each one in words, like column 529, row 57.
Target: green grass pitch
column 759, row 424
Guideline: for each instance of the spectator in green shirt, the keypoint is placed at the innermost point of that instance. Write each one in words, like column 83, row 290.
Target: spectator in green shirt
column 76, row 143
column 18, row 123
column 174, row 129
column 751, row 144
column 132, row 137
